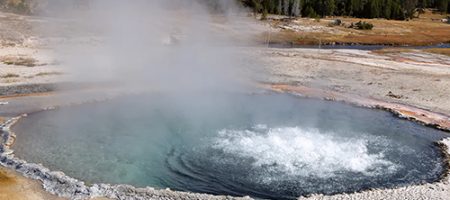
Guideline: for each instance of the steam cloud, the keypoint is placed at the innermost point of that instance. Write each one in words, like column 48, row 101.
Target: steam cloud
column 171, row 46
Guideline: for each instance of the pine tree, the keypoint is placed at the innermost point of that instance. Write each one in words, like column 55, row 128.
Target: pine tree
column 280, row 7
column 341, row 8
column 374, row 8
column 309, row 11
column 349, row 7
column 423, row 4
column 387, row 9
column 286, row 7
column 442, row 5
column 329, row 7
column 296, row 8
column 409, row 7
column 357, row 7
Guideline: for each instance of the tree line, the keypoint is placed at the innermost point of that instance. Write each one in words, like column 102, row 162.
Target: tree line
column 389, row 9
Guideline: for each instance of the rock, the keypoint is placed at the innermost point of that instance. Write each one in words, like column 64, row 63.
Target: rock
column 336, row 22
column 395, row 96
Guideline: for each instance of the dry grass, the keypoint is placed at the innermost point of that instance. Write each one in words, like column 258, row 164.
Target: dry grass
column 10, row 75
column 426, row 30
column 443, row 51
column 48, row 73
column 19, row 60
column 392, row 50
column 401, row 33
column 10, row 81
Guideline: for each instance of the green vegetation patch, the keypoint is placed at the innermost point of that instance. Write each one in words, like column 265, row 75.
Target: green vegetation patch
column 361, row 25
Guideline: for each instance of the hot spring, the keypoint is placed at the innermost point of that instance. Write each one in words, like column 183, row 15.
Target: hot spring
column 263, row 145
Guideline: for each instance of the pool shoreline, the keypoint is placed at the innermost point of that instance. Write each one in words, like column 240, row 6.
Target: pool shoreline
column 64, row 186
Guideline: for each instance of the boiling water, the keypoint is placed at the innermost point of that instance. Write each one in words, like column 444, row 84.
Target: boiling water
column 266, row 145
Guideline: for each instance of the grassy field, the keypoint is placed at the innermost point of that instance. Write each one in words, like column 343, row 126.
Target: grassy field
column 428, row 29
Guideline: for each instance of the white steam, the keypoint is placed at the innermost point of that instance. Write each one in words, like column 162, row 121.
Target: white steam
column 174, row 45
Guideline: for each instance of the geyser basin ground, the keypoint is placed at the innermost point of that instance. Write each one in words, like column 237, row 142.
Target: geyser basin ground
column 264, row 145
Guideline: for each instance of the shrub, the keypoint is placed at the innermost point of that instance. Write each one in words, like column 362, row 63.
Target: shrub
column 264, row 14
column 309, row 12
column 336, row 22
column 17, row 6
column 23, row 8
column 317, row 19
column 361, row 25
column 18, row 60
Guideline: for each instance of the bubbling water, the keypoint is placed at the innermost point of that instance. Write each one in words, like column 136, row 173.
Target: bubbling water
column 266, row 145
column 294, row 151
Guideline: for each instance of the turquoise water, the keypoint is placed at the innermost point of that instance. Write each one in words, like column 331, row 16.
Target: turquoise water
column 264, row 145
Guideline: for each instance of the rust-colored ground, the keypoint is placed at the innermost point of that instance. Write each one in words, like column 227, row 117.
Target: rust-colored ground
column 15, row 187
column 385, row 51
